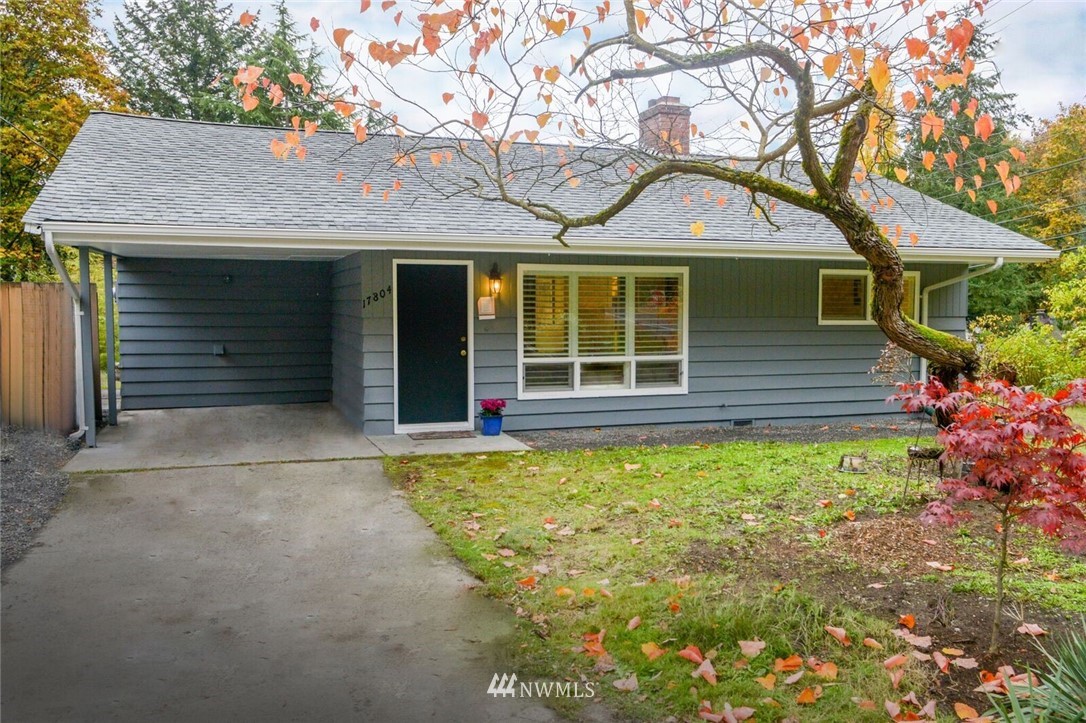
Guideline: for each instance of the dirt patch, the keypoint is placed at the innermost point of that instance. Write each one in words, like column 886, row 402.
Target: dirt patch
column 870, row 566
column 653, row 435
column 894, row 544
column 31, row 485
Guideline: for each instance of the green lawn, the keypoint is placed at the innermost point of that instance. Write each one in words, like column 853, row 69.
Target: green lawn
column 707, row 546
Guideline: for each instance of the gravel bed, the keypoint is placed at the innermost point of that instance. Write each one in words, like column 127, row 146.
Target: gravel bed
column 671, row 435
column 31, row 485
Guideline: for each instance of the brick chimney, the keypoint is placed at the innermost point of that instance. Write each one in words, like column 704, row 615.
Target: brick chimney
column 665, row 126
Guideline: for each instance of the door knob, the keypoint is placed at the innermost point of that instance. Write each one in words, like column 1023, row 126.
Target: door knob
column 463, row 338
column 463, row 352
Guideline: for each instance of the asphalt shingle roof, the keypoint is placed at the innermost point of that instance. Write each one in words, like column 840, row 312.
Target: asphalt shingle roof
column 124, row 169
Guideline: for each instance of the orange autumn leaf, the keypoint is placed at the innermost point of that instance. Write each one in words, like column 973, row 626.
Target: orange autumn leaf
column 563, row 591
column 901, row 174
column 916, row 48
column 850, row 515
column 339, row 177
column 767, row 681
column 527, row 582
column 706, row 671
column 839, row 635
column 788, row 665
column 908, row 621
column 992, row 205
column 895, row 661
column 249, row 102
column 880, row 75
column 984, row 126
column 965, row 712
column 751, row 648
column 697, row 228
column 691, row 653
column 340, row 35
column 246, row 19
column 929, row 160
column 808, row 695
column 652, row 651
column 479, row 119
column 827, row 671
column 872, row 643
column 447, row 97
column 830, row 64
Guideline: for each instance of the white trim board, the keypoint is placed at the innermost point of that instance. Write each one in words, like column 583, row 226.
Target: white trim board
column 469, row 423
column 683, row 272
column 870, row 286
column 197, row 241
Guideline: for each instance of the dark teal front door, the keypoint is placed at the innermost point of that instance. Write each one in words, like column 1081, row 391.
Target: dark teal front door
column 432, row 352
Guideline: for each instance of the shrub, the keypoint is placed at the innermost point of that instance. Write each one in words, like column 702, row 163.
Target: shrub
column 1035, row 354
column 1025, row 457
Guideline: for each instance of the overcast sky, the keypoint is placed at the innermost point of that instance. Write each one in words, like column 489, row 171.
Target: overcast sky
column 1041, row 53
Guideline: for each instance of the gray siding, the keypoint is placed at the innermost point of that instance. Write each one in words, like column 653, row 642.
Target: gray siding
column 273, row 317
column 347, row 339
column 756, row 349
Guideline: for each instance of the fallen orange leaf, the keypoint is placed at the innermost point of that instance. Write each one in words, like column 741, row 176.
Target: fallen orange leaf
column 652, row 651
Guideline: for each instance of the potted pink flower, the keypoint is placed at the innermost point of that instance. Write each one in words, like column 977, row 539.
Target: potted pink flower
column 491, row 416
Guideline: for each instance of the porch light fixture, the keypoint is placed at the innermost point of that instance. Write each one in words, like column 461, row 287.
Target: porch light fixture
column 495, row 280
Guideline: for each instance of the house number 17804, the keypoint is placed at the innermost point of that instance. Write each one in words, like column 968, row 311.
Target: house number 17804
column 376, row 296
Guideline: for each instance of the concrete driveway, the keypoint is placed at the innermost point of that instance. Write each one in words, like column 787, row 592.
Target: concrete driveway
column 303, row 591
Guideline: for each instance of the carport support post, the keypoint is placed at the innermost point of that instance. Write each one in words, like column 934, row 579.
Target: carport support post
column 111, row 357
column 87, row 362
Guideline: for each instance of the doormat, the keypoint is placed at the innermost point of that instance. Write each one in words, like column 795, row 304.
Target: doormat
column 442, row 435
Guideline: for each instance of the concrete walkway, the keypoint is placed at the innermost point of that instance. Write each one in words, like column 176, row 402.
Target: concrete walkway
column 165, row 438
column 271, row 592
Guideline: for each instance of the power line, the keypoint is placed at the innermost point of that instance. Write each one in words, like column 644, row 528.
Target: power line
column 1041, row 213
column 1024, row 175
column 23, row 133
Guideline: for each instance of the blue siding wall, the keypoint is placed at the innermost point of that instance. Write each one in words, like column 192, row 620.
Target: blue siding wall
column 756, row 349
column 347, row 339
column 274, row 319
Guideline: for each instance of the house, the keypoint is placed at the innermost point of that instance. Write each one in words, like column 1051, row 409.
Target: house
column 245, row 279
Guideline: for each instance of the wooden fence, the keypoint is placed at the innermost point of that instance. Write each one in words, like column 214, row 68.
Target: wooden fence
column 37, row 357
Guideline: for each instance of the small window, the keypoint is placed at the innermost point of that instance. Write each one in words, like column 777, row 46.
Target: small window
column 601, row 331
column 844, row 296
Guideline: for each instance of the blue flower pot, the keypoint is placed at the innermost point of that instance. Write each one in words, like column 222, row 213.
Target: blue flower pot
column 492, row 426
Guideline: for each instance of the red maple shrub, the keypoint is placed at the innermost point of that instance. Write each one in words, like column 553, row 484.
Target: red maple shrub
column 1022, row 455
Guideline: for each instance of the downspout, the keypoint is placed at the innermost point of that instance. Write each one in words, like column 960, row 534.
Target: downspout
column 77, row 310
column 926, row 294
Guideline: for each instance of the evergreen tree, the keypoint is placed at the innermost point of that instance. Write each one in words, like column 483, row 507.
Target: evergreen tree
column 282, row 51
column 177, row 59
column 174, row 55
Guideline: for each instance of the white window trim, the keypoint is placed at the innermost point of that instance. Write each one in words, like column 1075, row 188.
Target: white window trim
column 867, row 320
column 590, row 269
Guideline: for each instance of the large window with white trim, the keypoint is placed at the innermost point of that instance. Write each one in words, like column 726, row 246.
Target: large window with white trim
column 844, row 296
column 601, row 330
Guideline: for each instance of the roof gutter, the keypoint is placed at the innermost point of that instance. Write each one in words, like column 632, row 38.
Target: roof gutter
column 925, row 297
column 77, row 307
column 193, row 238
column 51, row 250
